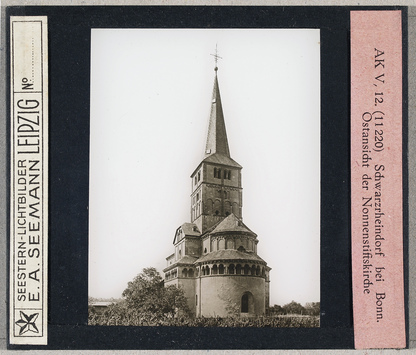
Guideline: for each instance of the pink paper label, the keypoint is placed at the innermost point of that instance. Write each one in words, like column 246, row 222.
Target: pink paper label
column 376, row 179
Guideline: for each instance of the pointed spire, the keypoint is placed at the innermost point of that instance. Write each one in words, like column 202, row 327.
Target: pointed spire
column 217, row 136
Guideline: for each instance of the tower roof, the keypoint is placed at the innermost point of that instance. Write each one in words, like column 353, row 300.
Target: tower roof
column 231, row 224
column 217, row 142
column 217, row 150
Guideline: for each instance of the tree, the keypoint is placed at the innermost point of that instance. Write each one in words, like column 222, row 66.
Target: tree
column 276, row 310
column 147, row 294
column 312, row 308
column 293, row 308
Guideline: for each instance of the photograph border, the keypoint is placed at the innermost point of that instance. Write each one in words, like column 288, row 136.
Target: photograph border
column 335, row 332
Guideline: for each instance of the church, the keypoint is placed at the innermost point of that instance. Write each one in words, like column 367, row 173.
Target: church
column 215, row 258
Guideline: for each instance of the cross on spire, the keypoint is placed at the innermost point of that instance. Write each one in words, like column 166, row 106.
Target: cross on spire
column 216, row 56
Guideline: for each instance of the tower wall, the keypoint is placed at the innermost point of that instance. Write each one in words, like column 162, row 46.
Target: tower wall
column 192, row 247
column 216, row 194
column 221, row 295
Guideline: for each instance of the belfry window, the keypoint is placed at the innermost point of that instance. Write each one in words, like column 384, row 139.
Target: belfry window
column 217, row 173
column 199, row 175
column 227, row 174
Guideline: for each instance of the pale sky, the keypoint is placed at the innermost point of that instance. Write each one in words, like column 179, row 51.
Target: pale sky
column 150, row 105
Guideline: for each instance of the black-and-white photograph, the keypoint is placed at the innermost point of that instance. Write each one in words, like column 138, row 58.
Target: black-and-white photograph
column 204, row 194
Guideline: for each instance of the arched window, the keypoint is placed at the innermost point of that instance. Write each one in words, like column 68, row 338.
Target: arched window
column 247, row 303
column 199, row 175
column 207, row 270
column 191, row 273
column 196, row 180
column 221, row 269
column 208, row 206
column 253, row 270
column 231, row 269
column 213, row 245
column 246, row 269
column 215, row 269
column 229, row 175
column 184, row 273
column 258, row 270
column 238, row 269
column 262, row 272
column 215, row 172
column 196, row 300
column 219, row 173
column 217, row 206
column 244, row 303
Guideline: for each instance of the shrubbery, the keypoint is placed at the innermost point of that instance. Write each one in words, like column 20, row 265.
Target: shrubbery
column 146, row 302
column 119, row 314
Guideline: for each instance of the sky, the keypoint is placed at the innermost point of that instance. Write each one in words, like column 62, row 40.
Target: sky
column 150, row 105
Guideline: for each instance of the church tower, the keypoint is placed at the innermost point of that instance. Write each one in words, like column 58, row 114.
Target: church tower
column 216, row 182
column 215, row 260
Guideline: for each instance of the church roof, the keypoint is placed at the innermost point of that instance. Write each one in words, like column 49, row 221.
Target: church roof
column 229, row 254
column 231, row 224
column 185, row 260
column 190, row 229
column 186, row 230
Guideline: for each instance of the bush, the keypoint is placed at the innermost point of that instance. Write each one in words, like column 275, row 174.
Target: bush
column 121, row 314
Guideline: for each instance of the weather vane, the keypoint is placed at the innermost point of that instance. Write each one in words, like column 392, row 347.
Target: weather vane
column 216, row 56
